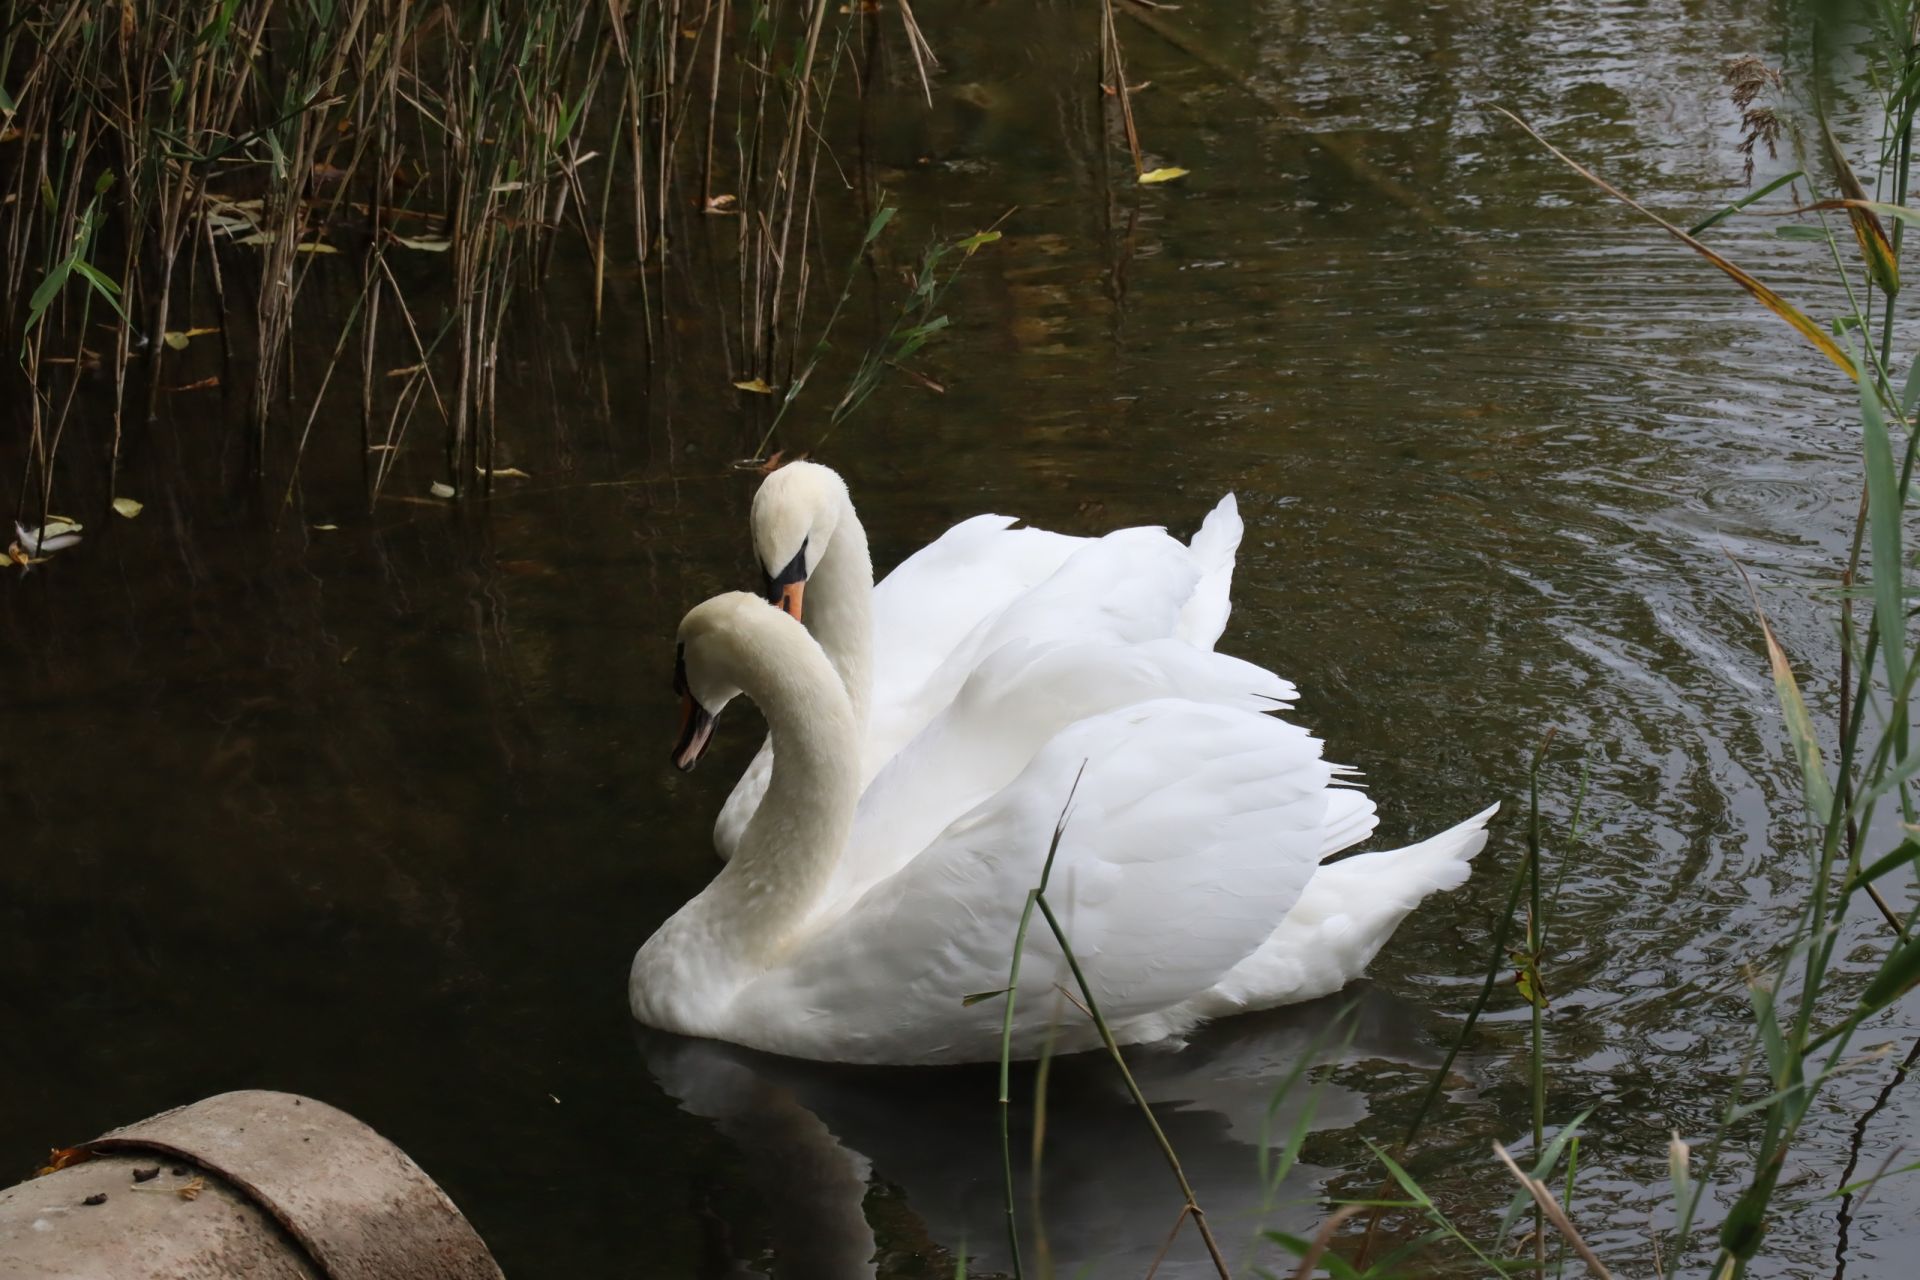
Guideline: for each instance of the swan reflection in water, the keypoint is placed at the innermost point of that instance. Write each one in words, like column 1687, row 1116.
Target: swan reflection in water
column 817, row 1138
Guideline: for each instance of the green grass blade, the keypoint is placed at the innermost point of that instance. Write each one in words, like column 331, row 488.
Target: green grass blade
column 1883, row 520
column 1752, row 196
column 1902, row 856
column 1896, row 977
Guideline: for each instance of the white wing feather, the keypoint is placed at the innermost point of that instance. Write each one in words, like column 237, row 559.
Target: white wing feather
column 1013, row 704
column 1193, row 830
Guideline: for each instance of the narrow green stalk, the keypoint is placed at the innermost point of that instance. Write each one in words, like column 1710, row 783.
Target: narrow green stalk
column 1133, row 1089
column 1006, row 1026
column 1536, row 997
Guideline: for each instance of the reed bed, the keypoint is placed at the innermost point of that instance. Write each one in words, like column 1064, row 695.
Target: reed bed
column 173, row 175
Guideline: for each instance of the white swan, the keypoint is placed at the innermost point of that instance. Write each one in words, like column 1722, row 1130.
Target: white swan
column 1196, row 826
column 904, row 647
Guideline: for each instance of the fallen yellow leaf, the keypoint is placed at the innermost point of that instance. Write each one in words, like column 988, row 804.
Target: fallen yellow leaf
column 126, row 507
column 177, row 339
column 1152, row 176
column 758, row 386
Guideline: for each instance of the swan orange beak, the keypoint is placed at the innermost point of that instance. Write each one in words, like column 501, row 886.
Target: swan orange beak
column 696, row 731
column 786, row 587
column 788, row 595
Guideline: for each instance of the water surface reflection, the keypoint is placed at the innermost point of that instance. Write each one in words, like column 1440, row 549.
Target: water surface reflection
column 821, row 1141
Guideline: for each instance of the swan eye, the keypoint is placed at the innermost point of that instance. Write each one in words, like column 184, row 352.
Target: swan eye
column 796, row 571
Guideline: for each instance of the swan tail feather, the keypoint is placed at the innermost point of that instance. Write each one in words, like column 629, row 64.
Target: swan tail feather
column 1344, row 916
column 1204, row 616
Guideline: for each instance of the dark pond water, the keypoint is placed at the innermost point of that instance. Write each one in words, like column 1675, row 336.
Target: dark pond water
column 381, row 813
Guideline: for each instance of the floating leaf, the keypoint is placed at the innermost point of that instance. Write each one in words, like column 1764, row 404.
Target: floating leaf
column 722, row 204
column 202, row 385
column 1168, row 174
column 126, row 507
column 440, row 489
column 326, row 528
column 426, row 244
column 758, row 386
column 1799, row 231
column 177, row 339
column 305, row 246
column 504, row 473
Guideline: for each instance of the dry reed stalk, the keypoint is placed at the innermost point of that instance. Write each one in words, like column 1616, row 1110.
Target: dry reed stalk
column 1555, row 1214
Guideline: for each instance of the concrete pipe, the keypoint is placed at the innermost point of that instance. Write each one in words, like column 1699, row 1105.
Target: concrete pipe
column 266, row 1186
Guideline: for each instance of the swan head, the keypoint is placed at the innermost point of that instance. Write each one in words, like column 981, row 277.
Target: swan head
column 721, row 642
column 795, row 514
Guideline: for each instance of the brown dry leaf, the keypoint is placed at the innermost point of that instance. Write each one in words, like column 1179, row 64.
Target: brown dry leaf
column 758, row 386
column 1167, row 174
column 1875, row 247
column 405, row 372
column 722, row 204
column 127, row 507
column 314, row 246
column 505, row 473
column 9, row 135
column 202, row 385
column 192, row 1190
column 1762, row 294
column 921, row 378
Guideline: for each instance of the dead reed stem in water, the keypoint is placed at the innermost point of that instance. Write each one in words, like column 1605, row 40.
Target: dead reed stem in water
column 276, row 141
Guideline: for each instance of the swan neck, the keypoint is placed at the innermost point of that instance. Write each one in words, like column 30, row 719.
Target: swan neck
column 839, row 609
column 773, row 885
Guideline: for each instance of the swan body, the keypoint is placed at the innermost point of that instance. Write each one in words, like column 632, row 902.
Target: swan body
column 904, row 648
column 851, row 927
